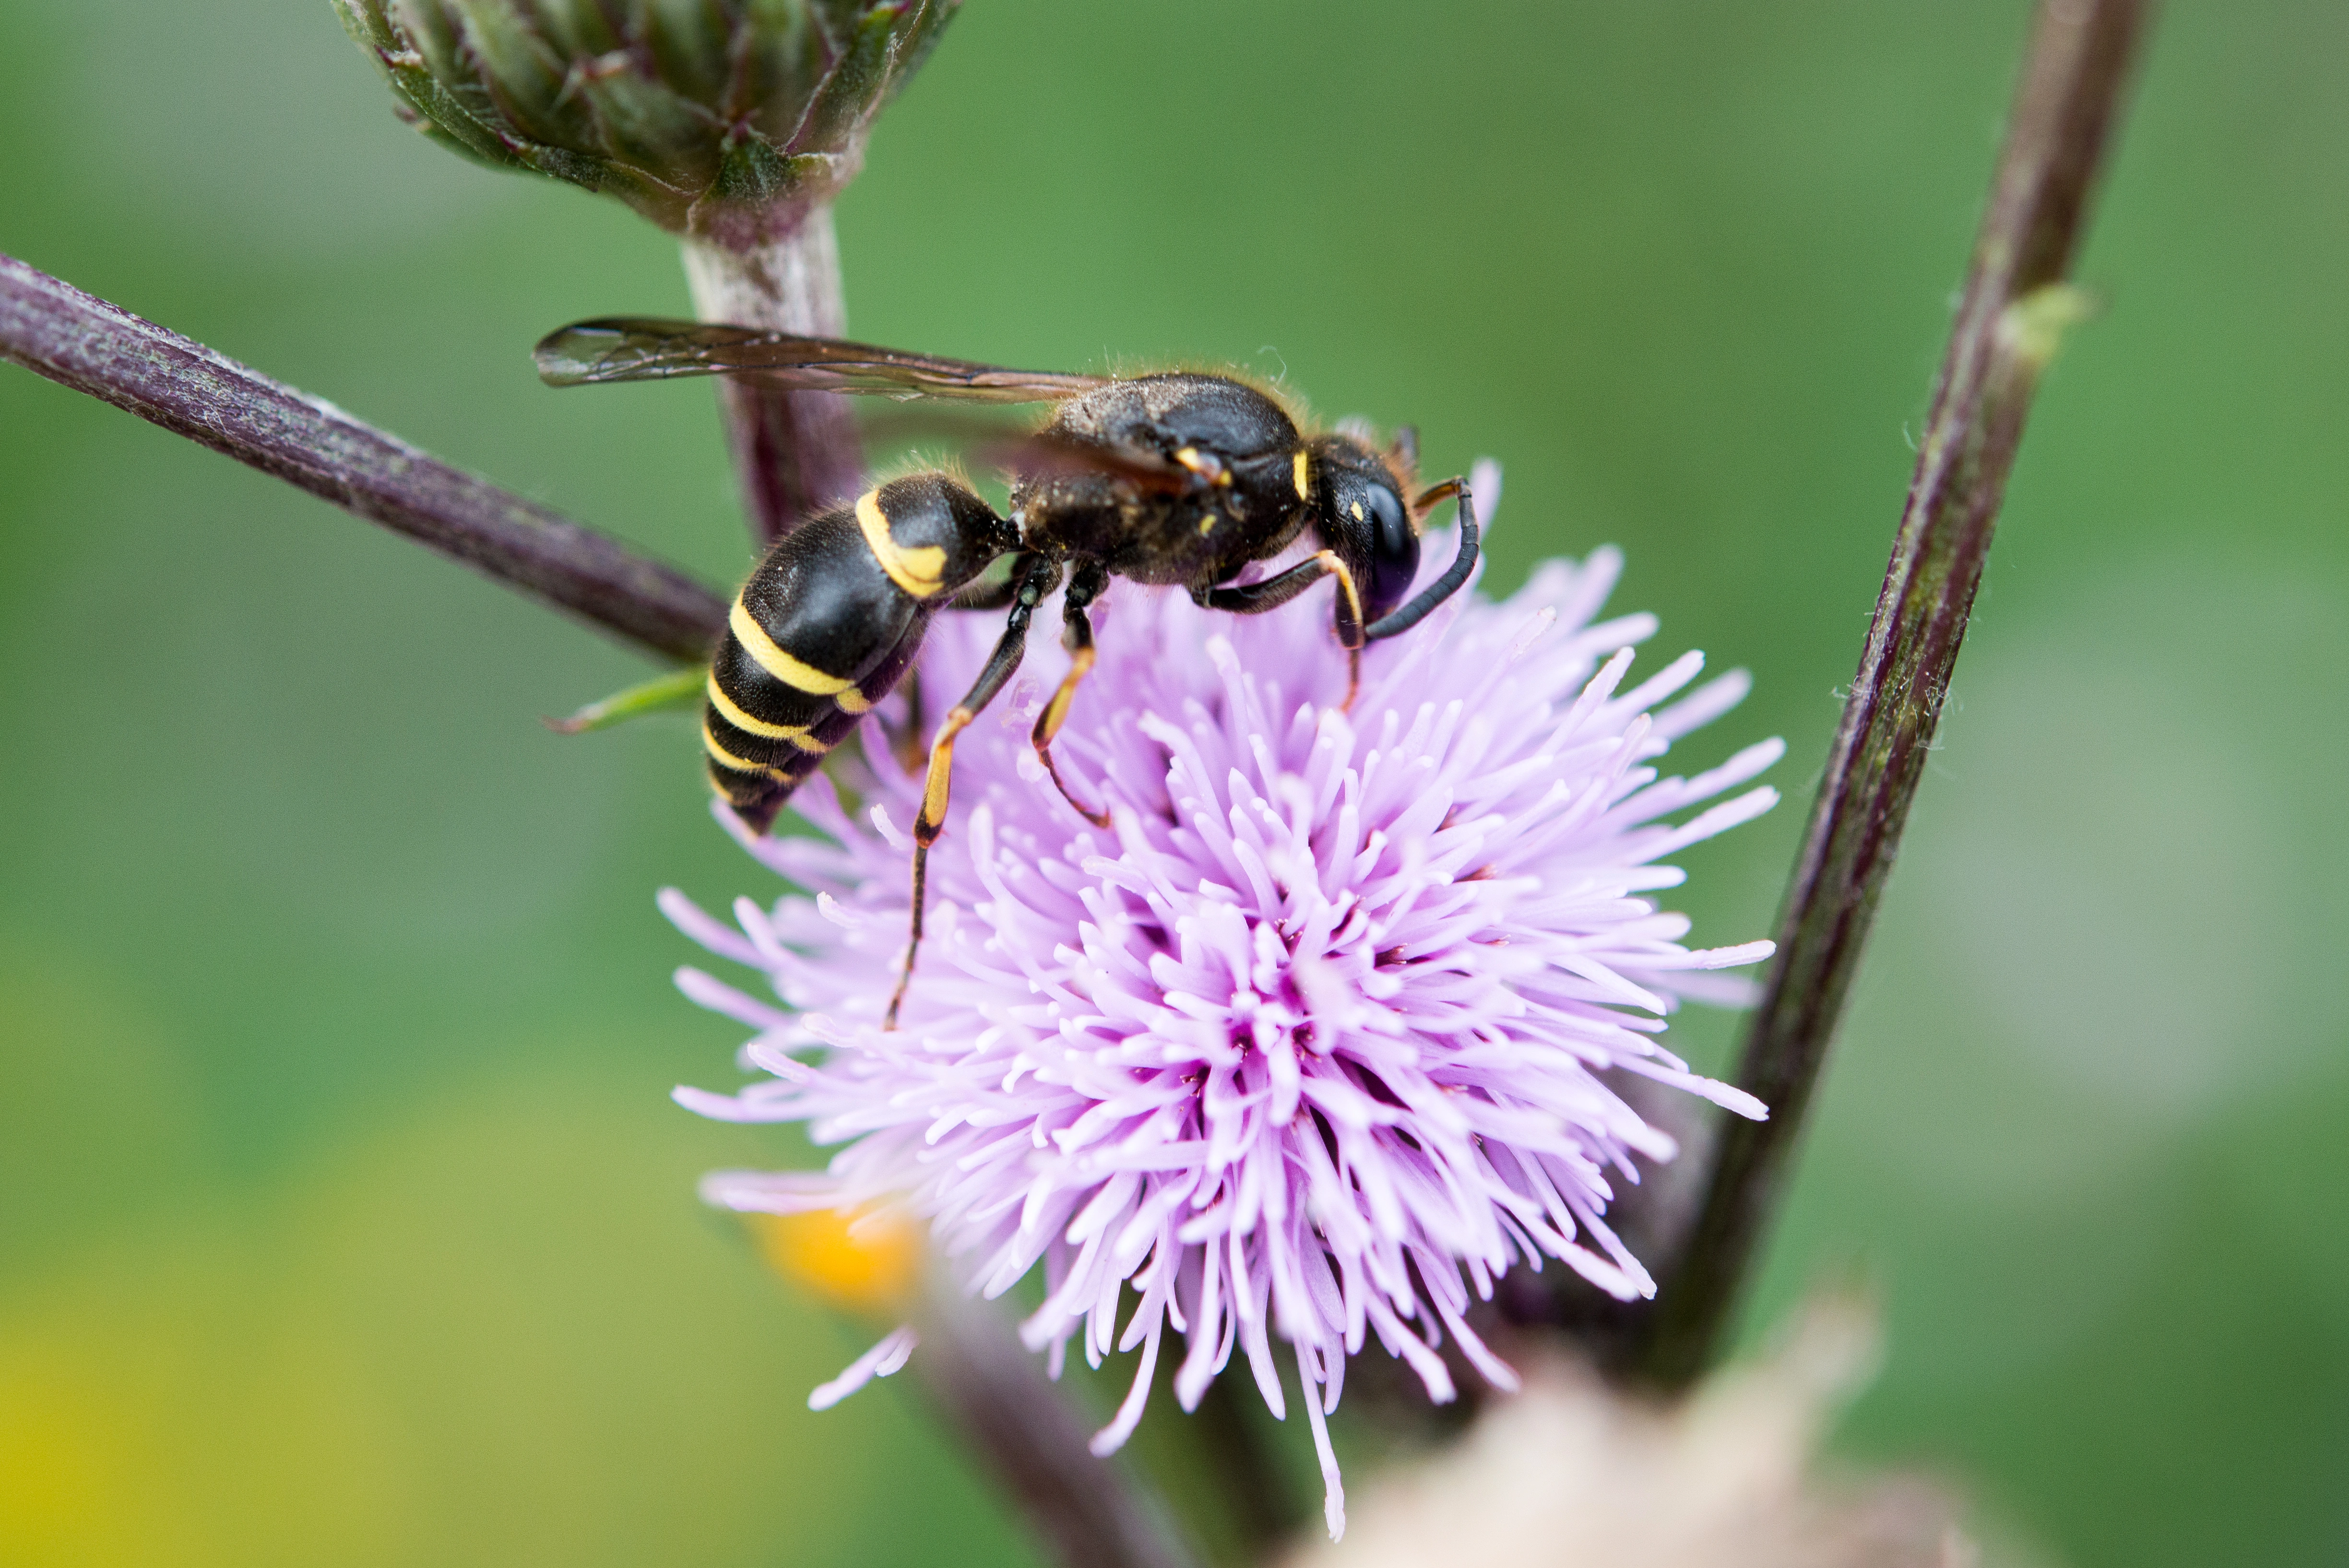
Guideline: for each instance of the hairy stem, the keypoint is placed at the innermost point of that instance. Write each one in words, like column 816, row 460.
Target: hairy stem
column 1087, row 1512
column 2008, row 322
column 794, row 452
column 58, row 331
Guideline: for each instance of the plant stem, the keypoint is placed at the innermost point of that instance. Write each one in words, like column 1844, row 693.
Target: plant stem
column 2008, row 322
column 58, row 331
column 1088, row 1512
column 794, row 452
column 1258, row 1507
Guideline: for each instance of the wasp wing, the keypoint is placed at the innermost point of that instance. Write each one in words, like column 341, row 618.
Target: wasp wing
column 647, row 348
column 1024, row 454
column 1051, row 454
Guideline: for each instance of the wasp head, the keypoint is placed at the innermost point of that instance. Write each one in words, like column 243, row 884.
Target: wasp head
column 1362, row 516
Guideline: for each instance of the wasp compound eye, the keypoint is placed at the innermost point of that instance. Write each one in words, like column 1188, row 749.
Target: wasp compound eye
column 1394, row 550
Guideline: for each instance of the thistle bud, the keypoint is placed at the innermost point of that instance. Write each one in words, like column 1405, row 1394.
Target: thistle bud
column 726, row 121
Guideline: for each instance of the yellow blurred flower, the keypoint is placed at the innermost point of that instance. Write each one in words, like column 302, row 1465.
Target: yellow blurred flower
column 862, row 1263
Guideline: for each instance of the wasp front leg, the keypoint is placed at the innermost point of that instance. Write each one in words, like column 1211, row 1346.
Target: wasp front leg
column 1037, row 579
column 1254, row 598
column 1077, row 637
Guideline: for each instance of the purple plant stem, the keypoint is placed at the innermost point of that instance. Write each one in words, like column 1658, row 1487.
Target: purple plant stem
column 56, row 330
column 1085, row 1512
column 2063, row 115
column 796, row 453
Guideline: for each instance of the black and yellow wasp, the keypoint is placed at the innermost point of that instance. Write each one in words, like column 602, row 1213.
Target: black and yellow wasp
column 1180, row 478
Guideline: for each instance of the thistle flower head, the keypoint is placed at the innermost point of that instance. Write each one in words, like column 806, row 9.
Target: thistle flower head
column 1314, row 1041
column 724, row 119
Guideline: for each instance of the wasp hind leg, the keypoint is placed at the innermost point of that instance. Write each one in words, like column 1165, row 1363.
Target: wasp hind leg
column 1077, row 637
column 905, row 740
column 1274, row 591
column 1037, row 579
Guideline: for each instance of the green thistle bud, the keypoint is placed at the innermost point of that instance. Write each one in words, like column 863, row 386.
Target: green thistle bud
column 724, row 120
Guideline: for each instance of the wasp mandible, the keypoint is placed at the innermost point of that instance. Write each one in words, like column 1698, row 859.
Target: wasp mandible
column 1180, row 478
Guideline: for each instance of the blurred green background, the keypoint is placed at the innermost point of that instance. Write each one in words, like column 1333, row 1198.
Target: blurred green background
column 343, row 1218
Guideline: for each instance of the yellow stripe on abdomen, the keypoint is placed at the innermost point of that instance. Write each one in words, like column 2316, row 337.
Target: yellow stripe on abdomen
column 772, row 659
column 728, row 709
column 740, row 764
column 920, row 571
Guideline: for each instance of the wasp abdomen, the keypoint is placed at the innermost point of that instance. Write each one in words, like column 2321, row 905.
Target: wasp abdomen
column 828, row 623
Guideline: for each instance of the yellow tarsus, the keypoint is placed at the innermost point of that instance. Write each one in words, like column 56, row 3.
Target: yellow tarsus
column 935, row 790
column 1048, row 722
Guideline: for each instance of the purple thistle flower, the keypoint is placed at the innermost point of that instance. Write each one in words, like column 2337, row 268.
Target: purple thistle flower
column 1308, row 1045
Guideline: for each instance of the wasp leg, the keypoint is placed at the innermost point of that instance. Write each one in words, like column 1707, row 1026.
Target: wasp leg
column 905, row 740
column 1077, row 637
column 1037, row 580
column 1254, row 598
column 988, row 595
column 1444, row 587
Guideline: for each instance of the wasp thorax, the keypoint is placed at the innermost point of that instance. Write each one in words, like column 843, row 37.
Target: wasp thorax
column 724, row 119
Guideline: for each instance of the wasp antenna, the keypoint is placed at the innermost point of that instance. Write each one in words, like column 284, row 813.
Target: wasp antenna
column 1454, row 574
column 1404, row 448
column 1437, row 495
